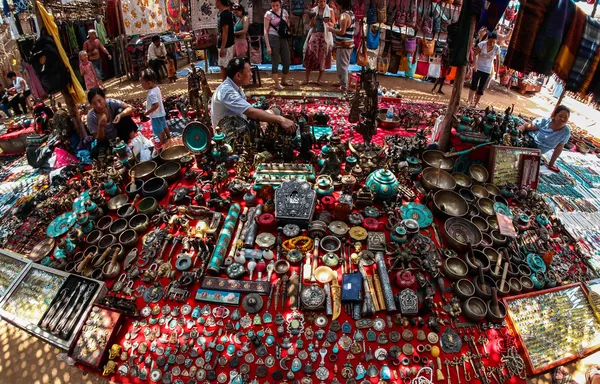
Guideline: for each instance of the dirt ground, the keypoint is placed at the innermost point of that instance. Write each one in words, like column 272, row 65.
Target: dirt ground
column 26, row 359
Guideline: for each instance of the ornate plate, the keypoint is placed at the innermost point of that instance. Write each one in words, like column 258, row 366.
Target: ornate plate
column 79, row 203
column 196, row 137
column 503, row 209
column 42, row 249
column 61, row 224
column 418, row 212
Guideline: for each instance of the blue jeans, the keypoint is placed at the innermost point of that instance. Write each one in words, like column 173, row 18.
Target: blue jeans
column 98, row 67
column 6, row 109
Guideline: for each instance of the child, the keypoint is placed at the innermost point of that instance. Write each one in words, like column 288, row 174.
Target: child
column 154, row 106
column 88, row 72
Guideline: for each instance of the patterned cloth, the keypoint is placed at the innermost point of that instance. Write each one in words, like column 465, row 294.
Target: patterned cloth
column 89, row 75
column 317, row 56
column 550, row 36
column 566, row 55
column 585, row 60
column 142, row 17
column 204, row 13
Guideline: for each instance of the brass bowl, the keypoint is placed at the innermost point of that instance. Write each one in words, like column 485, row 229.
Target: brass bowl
column 462, row 180
column 282, row 267
column 498, row 238
column 486, row 207
column 104, row 223
column 467, row 195
column 486, row 240
column 139, row 223
column 168, row 171
column 492, row 189
column 459, row 232
column 144, row 170
column 479, row 191
column 492, row 255
column 464, row 289
column 433, row 179
column 475, row 309
column 175, row 153
column 478, row 173
column 449, row 204
column 118, row 226
column 436, row 159
column 117, row 202
column 480, row 223
column 454, row 268
column 492, row 223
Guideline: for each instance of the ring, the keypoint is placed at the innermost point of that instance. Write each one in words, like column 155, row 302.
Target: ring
column 420, row 348
column 405, row 361
column 428, row 347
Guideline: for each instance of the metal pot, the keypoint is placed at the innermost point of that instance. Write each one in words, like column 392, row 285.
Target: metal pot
column 104, row 223
column 433, row 179
column 475, row 309
column 330, row 244
column 174, row 153
column 478, row 173
column 436, row 159
column 462, row 180
column 155, row 187
column 128, row 238
column 148, row 206
column 139, row 223
column 106, row 241
column 459, row 232
column 454, row 268
column 464, row 289
column 143, row 171
column 137, row 185
column 475, row 260
column 118, row 227
column 93, row 237
column 448, row 204
column 168, row 171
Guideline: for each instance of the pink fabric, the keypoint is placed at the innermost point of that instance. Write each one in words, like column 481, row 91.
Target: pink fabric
column 89, row 75
column 34, row 82
column 15, row 134
column 241, row 48
column 317, row 57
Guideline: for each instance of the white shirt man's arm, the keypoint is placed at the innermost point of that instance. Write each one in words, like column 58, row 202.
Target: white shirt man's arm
column 162, row 50
column 151, row 52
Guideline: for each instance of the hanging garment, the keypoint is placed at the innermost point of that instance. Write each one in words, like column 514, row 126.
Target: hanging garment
column 550, row 37
column 20, row 5
column 34, row 82
column 528, row 24
column 74, row 86
column 5, row 8
column 566, row 55
column 459, row 33
column 73, row 43
column 14, row 33
column 492, row 15
column 585, row 55
column 100, row 31
column 111, row 18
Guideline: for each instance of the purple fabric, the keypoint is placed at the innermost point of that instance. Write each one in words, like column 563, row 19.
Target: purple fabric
column 34, row 82
column 550, row 36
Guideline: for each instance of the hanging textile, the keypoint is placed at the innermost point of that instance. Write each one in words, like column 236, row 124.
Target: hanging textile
column 459, row 32
column 566, row 55
column 142, row 17
column 5, row 7
column 14, row 33
column 550, row 37
column 111, row 18
column 71, row 38
column 492, row 15
column 34, row 82
column 20, row 5
column 25, row 25
column 74, row 87
column 529, row 22
column 204, row 13
column 178, row 15
column 100, row 32
column 586, row 55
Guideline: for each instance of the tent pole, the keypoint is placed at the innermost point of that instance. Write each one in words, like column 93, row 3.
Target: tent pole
column 459, row 80
column 594, row 10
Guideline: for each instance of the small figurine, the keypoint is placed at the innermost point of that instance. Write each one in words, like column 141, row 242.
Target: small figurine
column 114, row 351
column 306, row 142
column 109, row 368
column 332, row 165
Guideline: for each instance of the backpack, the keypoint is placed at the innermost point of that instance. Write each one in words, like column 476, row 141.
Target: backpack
column 48, row 65
column 284, row 29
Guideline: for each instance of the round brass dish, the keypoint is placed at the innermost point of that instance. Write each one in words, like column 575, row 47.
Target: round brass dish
column 454, row 268
column 436, row 159
column 464, row 289
column 144, row 170
column 433, row 179
column 459, row 232
column 324, row 274
column 449, row 204
column 493, row 190
column 480, row 223
column 486, row 206
column 478, row 173
column 282, row 267
column 479, row 191
column 117, row 202
column 462, row 180
column 175, row 153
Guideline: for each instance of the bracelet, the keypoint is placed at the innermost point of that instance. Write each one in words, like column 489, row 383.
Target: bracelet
column 307, row 245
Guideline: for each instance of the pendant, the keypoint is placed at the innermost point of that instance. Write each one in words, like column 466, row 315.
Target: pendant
column 360, row 372
column 322, row 373
column 296, row 365
column 267, row 318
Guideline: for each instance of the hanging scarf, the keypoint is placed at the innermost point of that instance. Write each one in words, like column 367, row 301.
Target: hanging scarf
column 584, row 62
column 528, row 24
column 566, row 55
column 550, row 37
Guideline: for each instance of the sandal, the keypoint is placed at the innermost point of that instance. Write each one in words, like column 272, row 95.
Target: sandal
column 553, row 168
column 304, row 82
column 286, row 84
column 278, row 87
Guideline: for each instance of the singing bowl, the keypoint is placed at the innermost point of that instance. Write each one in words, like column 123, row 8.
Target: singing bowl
column 106, row 241
column 281, row 267
column 175, row 153
column 155, row 187
column 434, row 179
column 128, row 238
column 462, row 180
column 117, row 202
column 459, row 232
column 486, row 206
column 148, row 206
column 478, row 173
column 467, row 195
column 492, row 315
column 475, row 309
column 104, row 223
column 500, row 199
column 330, row 244
column 464, row 289
column 144, row 170
column 506, row 289
column 139, row 223
column 454, row 268
column 480, row 223
column 486, row 240
column 93, row 237
column 515, row 285
column 498, row 238
column 492, row 223
column 384, row 123
column 449, row 204
column 526, row 283
column 493, row 190
column 137, row 188
column 436, row 159
column 479, row 259
column 479, row 191
column 126, row 211
column 492, row 255
column 168, row 171
column 118, row 227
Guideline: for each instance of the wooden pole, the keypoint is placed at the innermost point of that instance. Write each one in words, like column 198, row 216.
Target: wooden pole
column 459, row 80
column 594, row 10
column 560, row 98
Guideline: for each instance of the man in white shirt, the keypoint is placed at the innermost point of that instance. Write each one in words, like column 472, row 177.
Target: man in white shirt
column 229, row 99
column 23, row 92
column 157, row 56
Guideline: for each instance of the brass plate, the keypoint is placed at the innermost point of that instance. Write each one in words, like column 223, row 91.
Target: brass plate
column 41, row 249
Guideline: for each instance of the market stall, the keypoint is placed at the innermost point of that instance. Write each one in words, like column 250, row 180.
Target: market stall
column 347, row 251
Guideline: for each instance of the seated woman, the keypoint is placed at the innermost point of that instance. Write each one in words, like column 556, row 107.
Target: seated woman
column 550, row 133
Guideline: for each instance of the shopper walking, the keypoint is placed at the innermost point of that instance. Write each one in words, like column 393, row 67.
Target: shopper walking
column 225, row 43
column 319, row 43
column 276, row 35
column 240, row 30
column 487, row 56
column 344, row 38
column 93, row 46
